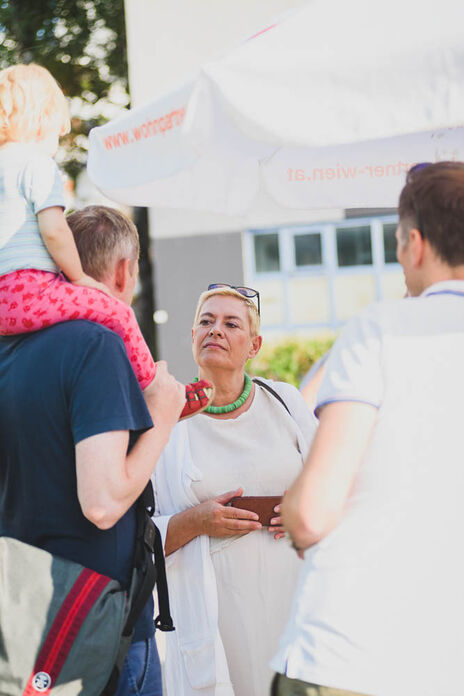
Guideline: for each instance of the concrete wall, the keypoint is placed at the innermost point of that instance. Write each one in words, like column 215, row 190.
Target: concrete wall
column 184, row 266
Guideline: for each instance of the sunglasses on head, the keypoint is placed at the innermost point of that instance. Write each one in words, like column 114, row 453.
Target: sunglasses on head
column 246, row 292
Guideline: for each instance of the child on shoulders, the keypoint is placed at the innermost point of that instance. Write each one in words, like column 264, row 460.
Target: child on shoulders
column 41, row 277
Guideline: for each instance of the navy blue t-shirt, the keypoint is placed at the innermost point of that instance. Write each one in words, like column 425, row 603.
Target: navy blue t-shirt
column 59, row 386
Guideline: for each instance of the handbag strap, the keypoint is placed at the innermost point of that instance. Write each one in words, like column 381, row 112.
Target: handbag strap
column 273, row 392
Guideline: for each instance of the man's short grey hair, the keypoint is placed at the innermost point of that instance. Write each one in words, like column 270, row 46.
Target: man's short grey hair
column 103, row 236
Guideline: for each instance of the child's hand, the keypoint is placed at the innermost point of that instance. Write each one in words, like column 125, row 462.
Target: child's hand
column 89, row 282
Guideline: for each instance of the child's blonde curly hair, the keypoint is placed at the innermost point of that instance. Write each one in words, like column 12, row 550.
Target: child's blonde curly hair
column 32, row 105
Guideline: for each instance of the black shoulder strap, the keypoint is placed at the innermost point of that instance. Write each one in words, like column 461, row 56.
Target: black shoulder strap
column 149, row 543
column 163, row 621
column 273, row 392
column 144, row 576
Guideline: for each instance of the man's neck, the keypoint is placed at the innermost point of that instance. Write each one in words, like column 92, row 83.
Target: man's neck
column 439, row 273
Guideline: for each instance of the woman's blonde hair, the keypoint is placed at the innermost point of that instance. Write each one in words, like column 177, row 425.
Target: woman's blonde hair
column 230, row 292
column 32, row 105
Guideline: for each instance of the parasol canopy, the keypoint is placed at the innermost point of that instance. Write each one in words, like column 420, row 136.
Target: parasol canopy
column 327, row 108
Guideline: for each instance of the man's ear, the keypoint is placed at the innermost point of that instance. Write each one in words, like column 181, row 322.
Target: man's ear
column 256, row 343
column 121, row 274
column 417, row 246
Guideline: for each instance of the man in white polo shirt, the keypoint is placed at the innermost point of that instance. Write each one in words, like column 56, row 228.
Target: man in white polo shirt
column 379, row 506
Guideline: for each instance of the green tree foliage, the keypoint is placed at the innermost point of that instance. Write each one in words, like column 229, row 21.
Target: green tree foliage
column 82, row 43
column 289, row 359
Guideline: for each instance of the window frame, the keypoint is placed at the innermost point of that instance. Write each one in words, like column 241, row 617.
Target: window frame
column 307, row 231
column 266, row 232
column 341, row 227
column 383, row 223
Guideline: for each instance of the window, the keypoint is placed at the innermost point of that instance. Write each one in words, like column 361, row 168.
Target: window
column 354, row 246
column 267, row 257
column 389, row 242
column 308, row 249
column 317, row 274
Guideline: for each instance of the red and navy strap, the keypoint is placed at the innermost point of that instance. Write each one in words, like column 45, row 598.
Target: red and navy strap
column 81, row 598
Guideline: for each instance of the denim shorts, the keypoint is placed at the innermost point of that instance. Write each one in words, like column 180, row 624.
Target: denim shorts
column 141, row 672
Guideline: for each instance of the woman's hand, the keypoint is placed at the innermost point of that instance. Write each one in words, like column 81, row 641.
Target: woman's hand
column 217, row 519
column 213, row 518
column 276, row 528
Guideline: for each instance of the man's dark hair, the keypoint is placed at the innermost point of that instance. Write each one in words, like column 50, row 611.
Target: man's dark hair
column 432, row 201
column 103, row 236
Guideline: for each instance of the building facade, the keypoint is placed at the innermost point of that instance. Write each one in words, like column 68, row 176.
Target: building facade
column 315, row 276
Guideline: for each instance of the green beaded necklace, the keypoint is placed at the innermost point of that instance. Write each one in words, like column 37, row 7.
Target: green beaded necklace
column 237, row 403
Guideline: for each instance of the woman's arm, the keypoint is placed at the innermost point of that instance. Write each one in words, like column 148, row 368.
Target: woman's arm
column 213, row 518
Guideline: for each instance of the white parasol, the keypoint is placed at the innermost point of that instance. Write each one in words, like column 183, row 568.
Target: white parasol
column 328, row 108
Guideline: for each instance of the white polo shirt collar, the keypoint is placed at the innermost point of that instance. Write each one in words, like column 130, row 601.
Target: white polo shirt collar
column 445, row 287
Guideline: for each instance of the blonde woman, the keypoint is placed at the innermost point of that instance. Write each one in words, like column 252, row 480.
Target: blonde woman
column 231, row 579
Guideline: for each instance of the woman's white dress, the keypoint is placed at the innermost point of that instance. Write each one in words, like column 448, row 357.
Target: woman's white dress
column 255, row 574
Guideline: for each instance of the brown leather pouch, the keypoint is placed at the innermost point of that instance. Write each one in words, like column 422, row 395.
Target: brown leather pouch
column 263, row 505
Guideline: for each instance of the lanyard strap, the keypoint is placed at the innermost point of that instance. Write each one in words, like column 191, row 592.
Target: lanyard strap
column 445, row 292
